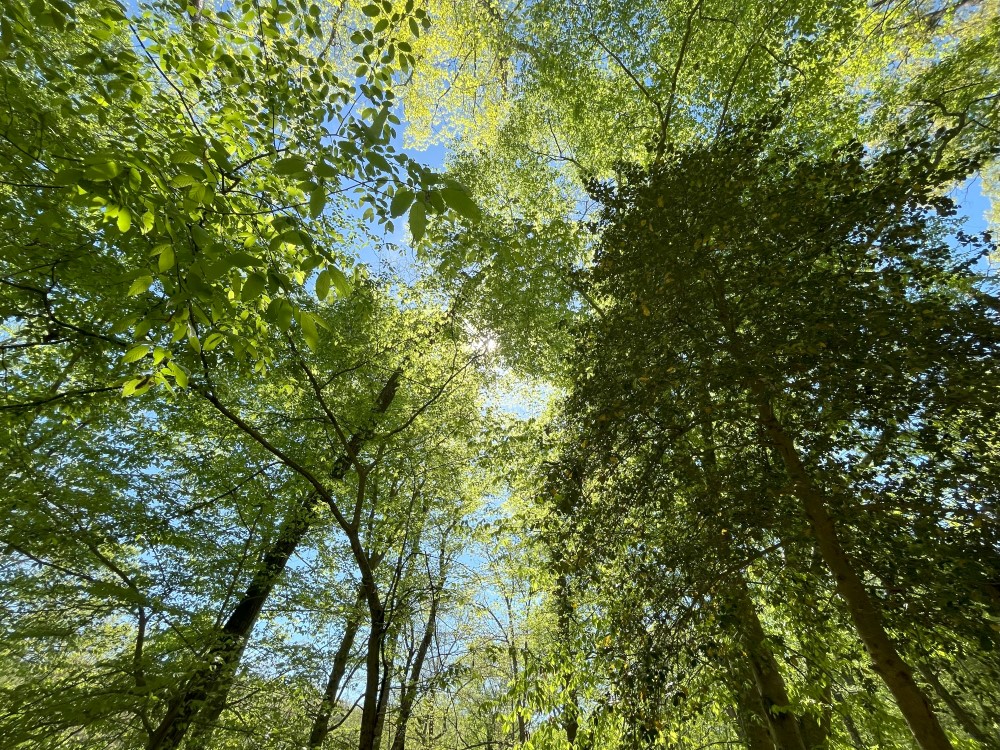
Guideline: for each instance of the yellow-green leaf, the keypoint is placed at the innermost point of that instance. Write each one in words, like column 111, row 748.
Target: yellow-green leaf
column 212, row 341
column 180, row 375
column 309, row 332
column 140, row 285
column 166, row 261
column 283, row 315
column 340, row 282
column 253, row 287
column 136, row 353
column 323, row 285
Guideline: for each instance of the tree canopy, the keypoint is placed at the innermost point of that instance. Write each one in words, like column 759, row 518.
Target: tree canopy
column 543, row 374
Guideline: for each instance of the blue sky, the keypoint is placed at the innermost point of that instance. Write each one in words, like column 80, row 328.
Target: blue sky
column 972, row 204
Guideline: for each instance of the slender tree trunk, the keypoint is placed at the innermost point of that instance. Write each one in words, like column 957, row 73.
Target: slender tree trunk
column 962, row 716
column 782, row 723
column 373, row 674
column 522, row 729
column 750, row 715
column 864, row 611
column 571, row 708
column 816, row 731
column 218, row 667
column 852, row 730
column 409, row 694
column 384, row 689
column 203, row 726
column 210, row 682
column 321, row 724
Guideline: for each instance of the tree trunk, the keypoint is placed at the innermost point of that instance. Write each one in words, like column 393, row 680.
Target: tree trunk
column 852, row 730
column 863, row 609
column 962, row 716
column 409, row 695
column 382, row 708
column 522, row 729
column 206, row 720
column 751, row 719
column 571, row 708
column 816, row 731
column 373, row 674
column 782, row 723
column 772, row 696
column 211, row 681
column 218, row 668
column 321, row 724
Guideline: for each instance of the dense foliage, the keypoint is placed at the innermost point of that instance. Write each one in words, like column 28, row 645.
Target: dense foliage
column 652, row 405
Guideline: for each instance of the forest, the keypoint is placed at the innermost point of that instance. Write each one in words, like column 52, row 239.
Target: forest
column 499, row 374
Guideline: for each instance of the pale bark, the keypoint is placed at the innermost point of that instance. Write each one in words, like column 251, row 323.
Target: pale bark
column 965, row 719
column 782, row 724
column 863, row 609
column 750, row 716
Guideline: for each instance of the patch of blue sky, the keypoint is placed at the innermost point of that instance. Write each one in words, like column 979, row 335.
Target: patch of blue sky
column 974, row 209
column 973, row 205
column 392, row 253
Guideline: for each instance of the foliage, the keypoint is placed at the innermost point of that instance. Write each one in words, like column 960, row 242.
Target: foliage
column 672, row 426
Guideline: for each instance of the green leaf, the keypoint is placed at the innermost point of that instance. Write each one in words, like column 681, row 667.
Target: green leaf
column 283, row 314
column 201, row 237
column 325, row 170
column 309, row 332
column 400, row 202
column 340, row 282
column 371, row 10
column 291, row 237
column 136, row 386
column 124, row 220
column 313, row 261
column 418, row 221
column 253, row 287
column 212, row 341
column 317, row 201
column 460, row 202
column 68, row 177
column 378, row 123
column 179, row 373
column 183, row 181
column 102, row 171
column 290, row 165
column 136, row 353
column 323, row 285
column 166, row 261
column 140, row 285
column 243, row 260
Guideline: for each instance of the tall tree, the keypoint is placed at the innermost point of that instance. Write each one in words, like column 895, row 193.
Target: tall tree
column 739, row 308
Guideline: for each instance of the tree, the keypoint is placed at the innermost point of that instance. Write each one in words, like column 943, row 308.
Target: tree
column 772, row 312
